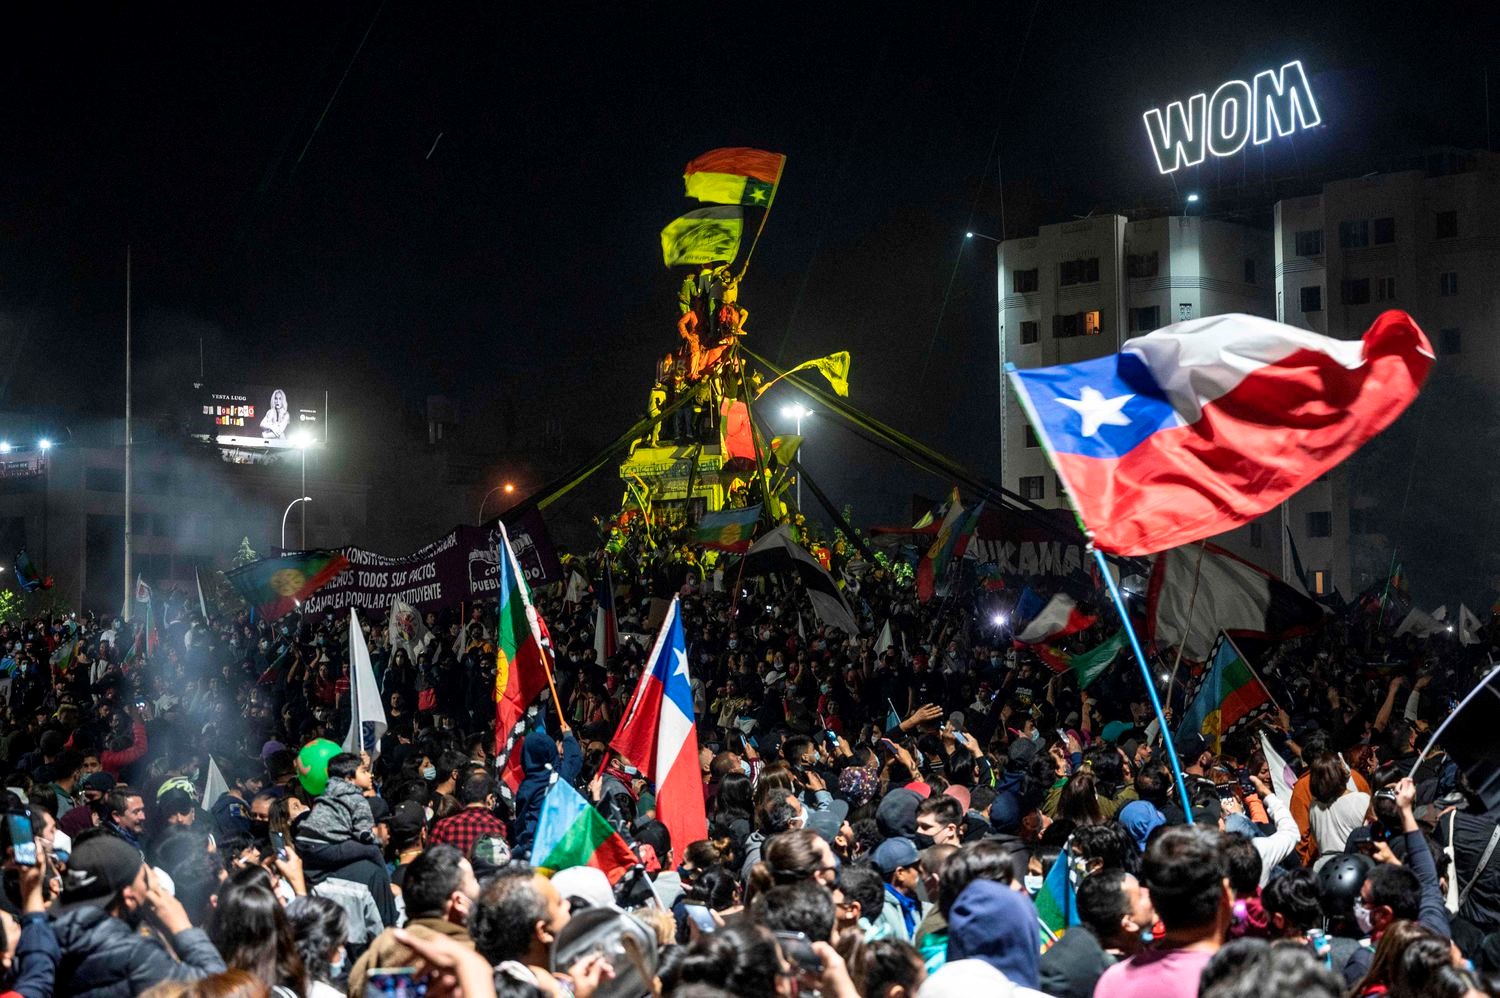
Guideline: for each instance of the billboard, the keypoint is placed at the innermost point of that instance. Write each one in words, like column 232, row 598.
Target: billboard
column 263, row 417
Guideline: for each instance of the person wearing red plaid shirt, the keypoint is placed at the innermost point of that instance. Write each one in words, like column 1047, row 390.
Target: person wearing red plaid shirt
column 475, row 821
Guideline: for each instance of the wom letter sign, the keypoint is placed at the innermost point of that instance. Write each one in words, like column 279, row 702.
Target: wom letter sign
column 1279, row 101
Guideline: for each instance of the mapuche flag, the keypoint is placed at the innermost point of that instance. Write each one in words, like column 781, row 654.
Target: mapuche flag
column 520, row 662
column 276, row 586
column 1229, row 694
column 1202, row 426
column 569, row 832
column 656, row 735
column 728, row 529
column 703, row 235
column 734, row 176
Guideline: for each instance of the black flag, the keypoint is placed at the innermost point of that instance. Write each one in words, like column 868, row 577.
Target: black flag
column 1468, row 736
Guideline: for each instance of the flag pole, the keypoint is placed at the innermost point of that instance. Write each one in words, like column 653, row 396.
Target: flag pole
column 1140, row 659
column 1479, row 687
column 763, row 216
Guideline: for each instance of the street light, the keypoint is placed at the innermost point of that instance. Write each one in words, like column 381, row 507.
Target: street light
column 507, row 487
column 4, row 446
column 798, row 412
column 301, row 440
column 1192, row 199
column 288, row 513
column 980, row 235
column 44, row 445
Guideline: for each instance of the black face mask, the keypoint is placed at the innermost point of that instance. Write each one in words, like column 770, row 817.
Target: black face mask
column 921, row 841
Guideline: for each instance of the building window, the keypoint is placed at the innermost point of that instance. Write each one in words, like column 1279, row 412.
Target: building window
column 1445, row 225
column 1142, row 264
column 1362, row 521
column 1075, row 324
column 1084, row 271
column 1312, row 298
column 1143, row 320
column 1023, row 281
column 1033, row 487
column 1062, row 493
column 1385, row 289
column 1357, row 291
column 104, row 479
column 1354, row 234
column 1319, row 582
column 1450, row 340
column 1184, row 311
column 1320, row 524
column 1384, row 231
column 1310, row 242
column 1257, row 535
column 1029, row 331
column 1448, row 283
column 1249, row 270
column 1031, row 440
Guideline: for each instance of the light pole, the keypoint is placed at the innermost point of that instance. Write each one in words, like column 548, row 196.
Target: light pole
column 302, row 440
column 797, row 411
column 287, row 513
column 506, row 487
column 45, row 446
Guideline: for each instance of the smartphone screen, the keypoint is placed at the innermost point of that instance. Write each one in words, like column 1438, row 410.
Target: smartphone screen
column 278, row 842
column 797, row 949
column 393, row 982
column 22, row 839
column 701, row 917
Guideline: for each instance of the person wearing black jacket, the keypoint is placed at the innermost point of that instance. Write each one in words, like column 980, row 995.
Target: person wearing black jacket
column 1113, row 911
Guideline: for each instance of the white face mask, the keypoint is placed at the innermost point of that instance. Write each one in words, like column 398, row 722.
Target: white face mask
column 1033, row 884
column 1362, row 917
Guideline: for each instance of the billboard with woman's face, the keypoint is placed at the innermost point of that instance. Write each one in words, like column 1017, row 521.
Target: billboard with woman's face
column 260, row 416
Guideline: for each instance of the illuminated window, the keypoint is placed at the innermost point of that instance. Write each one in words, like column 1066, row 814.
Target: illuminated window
column 1091, row 323
column 1445, row 224
column 1320, row 583
column 1033, row 487
column 1030, row 331
column 1310, row 242
column 1023, row 281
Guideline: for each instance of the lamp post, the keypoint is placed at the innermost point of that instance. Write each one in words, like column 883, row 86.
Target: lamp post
column 45, row 446
column 797, row 411
column 286, row 514
column 506, row 487
column 301, row 440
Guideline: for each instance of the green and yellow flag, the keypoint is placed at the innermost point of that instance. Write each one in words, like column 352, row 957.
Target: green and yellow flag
column 834, row 367
column 703, row 236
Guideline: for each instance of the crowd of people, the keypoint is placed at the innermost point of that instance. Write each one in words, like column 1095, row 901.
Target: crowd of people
column 940, row 815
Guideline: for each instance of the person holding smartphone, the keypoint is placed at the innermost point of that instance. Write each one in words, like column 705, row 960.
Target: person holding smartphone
column 28, row 961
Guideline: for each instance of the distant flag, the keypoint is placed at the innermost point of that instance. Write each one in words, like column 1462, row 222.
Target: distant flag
column 277, row 586
column 1059, row 618
column 1196, row 592
column 1087, row 666
column 834, row 367
column 1467, row 734
column 606, row 626
column 578, row 588
column 1057, row 901
column 406, row 630
column 214, row 787
column 1228, row 695
column 703, row 235
column 570, row 832
column 728, row 529
column 1420, row 623
column 142, row 590
column 520, row 662
column 656, row 734
column 202, row 603
column 734, row 176
column 777, row 551
column 27, row 575
column 1028, row 605
column 933, row 565
column 1164, row 443
column 1468, row 626
column 367, row 722
column 892, row 719
column 1283, row 776
column 886, row 641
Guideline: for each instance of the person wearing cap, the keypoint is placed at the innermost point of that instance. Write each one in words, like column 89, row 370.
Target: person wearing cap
column 107, row 893
column 92, row 790
column 440, row 890
column 901, row 868
column 406, row 830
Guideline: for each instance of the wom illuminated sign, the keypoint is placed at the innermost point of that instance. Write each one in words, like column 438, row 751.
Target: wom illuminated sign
column 1237, row 112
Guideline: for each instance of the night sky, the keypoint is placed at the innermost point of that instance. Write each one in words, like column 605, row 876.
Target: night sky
column 515, row 266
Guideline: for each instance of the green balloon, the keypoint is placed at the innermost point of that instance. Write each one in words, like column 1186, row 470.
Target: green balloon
column 312, row 764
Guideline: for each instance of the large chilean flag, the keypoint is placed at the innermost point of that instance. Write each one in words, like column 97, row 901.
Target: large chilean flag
column 1206, row 424
column 656, row 735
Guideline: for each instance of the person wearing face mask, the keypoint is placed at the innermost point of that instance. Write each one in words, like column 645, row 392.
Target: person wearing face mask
column 1393, row 892
column 440, row 891
column 901, row 868
column 938, row 819
column 1116, row 916
column 320, row 928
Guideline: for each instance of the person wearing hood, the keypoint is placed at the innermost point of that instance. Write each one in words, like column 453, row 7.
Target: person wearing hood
column 993, row 923
column 539, row 759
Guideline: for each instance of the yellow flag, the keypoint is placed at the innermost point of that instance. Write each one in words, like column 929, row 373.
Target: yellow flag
column 834, row 367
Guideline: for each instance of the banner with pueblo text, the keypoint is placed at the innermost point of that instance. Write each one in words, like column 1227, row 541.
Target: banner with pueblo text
column 460, row 567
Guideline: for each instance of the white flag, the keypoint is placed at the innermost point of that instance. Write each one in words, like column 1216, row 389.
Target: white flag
column 885, row 642
column 406, row 630
column 1468, row 626
column 578, row 588
column 216, row 786
column 1421, row 624
column 1283, row 777
column 367, row 716
column 202, row 603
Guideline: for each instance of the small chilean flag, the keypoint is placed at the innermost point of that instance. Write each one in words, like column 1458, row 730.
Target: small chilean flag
column 656, row 735
column 1206, row 424
column 1060, row 617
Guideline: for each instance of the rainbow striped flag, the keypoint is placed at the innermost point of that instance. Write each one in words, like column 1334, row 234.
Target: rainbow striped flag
column 570, row 832
column 277, row 586
column 1057, row 901
column 1229, row 694
column 728, row 529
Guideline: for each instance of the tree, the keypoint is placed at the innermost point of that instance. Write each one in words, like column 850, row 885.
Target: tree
column 245, row 555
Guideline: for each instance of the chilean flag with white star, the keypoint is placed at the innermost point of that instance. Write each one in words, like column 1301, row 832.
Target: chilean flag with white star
column 657, row 736
column 1204, row 425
